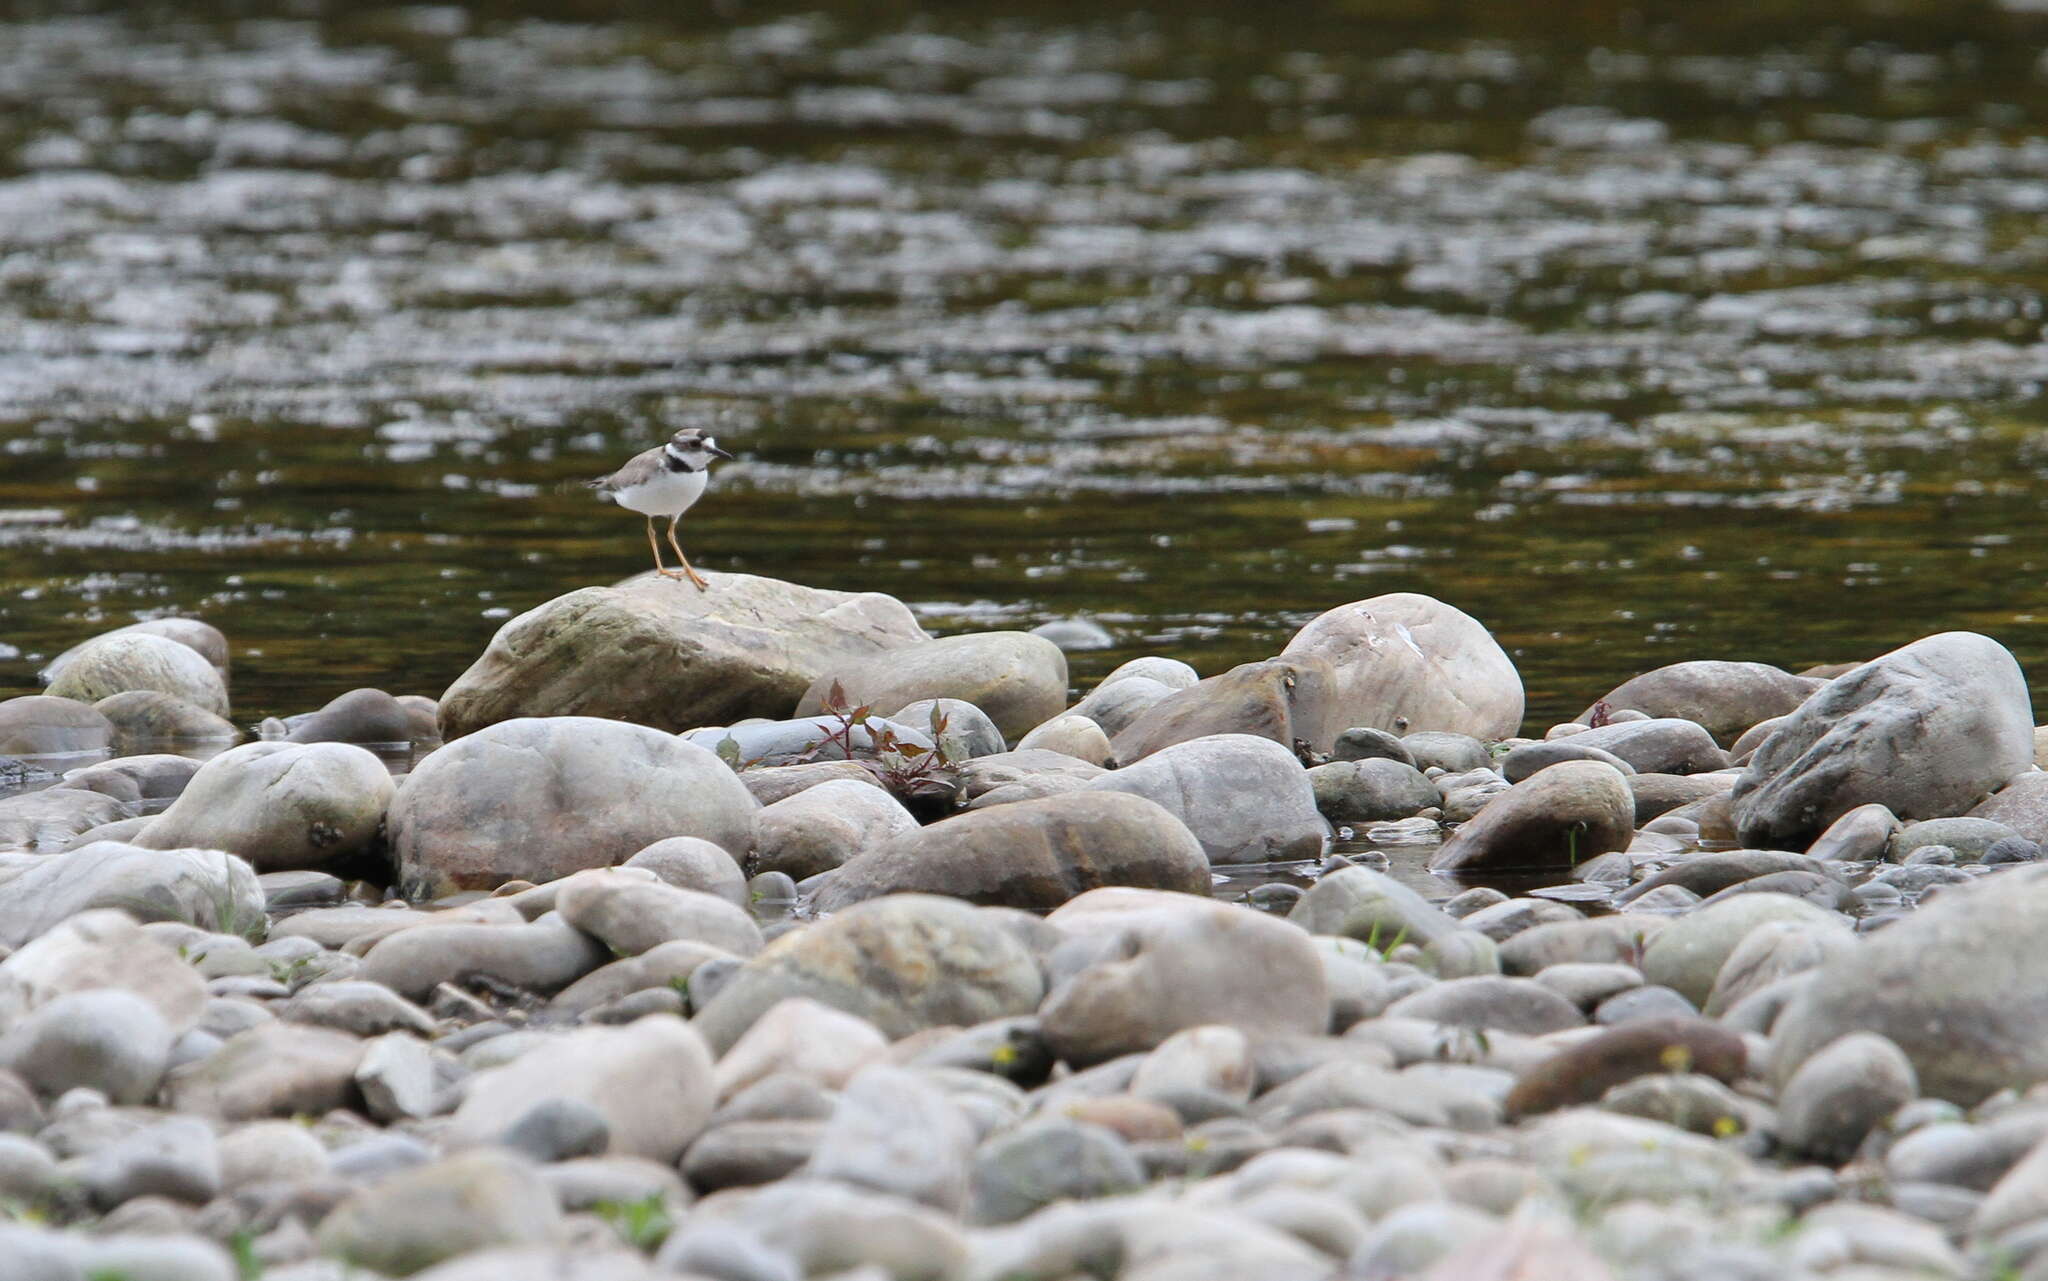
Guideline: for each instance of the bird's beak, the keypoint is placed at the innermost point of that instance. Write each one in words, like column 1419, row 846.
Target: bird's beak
column 716, row 450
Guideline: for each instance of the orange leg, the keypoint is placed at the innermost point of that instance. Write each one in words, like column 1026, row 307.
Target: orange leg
column 694, row 576
column 660, row 568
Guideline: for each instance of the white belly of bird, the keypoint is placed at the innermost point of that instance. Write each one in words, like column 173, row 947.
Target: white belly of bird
column 669, row 493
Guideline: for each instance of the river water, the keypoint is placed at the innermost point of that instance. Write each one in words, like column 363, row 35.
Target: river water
column 1639, row 336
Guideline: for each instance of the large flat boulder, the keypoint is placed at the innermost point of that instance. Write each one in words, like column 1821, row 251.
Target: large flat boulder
column 660, row 653
column 1018, row 680
column 1406, row 663
column 1928, row 730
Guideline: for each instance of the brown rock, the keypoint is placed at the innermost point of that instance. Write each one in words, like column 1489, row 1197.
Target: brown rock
column 1588, row 1069
column 1286, row 700
column 1031, row 854
column 1558, row 817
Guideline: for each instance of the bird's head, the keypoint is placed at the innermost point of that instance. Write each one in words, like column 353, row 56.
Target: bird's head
column 694, row 449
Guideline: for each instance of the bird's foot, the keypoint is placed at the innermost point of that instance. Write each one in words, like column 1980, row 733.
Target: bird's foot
column 675, row 573
column 698, row 579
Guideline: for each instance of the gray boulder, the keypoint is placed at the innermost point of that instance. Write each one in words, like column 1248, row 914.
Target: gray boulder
column 206, row 888
column 1441, row 749
column 2021, row 805
column 536, row 799
column 892, row 1132
column 1774, row 951
column 147, row 716
column 1950, row 985
column 1139, row 966
column 106, row 1039
column 1727, row 698
column 54, row 817
column 772, row 783
column 39, row 725
column 1025, row 774
column 1379, row 911
column 1115, row 704
column 822, row 827
column 815, row 1228
column 1072, row 735
column 631, row 916
column 414, row 1219
column 819, row 739
column 1016, row 678
column 1969, row 837
column 1050, row 1161
column 1525, row 760
column 1246, row 799
column 648, row 652
column 1405, row 662
column 1491, row 1001
column 903, row 963
column 279, row 805
column 1928, row 730
column 1864, row 834
column 115, row 664
column 1839, row 1095
column 153, row 776
column 968, row 730
column 204, row 638
column 1170, row 672
column 1688, row 954
column 1663, row 746
column 272, row 1069
column 177, row 1159
column 95, row 950
column 543, row 957
column 650, row 1080
column 1371, row 790
column 693, row 863
column 359, row 716
column 1030, row 854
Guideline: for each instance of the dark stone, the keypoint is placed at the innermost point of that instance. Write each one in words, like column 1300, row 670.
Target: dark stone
column 1584, row 1071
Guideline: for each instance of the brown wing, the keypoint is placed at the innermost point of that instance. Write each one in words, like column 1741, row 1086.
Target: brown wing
column 639, row 469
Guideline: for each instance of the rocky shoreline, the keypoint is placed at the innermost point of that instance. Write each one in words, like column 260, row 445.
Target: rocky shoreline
column 756, row 934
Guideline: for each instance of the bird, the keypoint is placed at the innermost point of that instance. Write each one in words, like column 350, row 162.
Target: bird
column 665, row 481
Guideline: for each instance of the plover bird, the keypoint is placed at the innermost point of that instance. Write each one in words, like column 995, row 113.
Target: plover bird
column 664, row 481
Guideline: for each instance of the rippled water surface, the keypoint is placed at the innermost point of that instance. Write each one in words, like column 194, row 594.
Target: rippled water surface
column 1641, row 338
